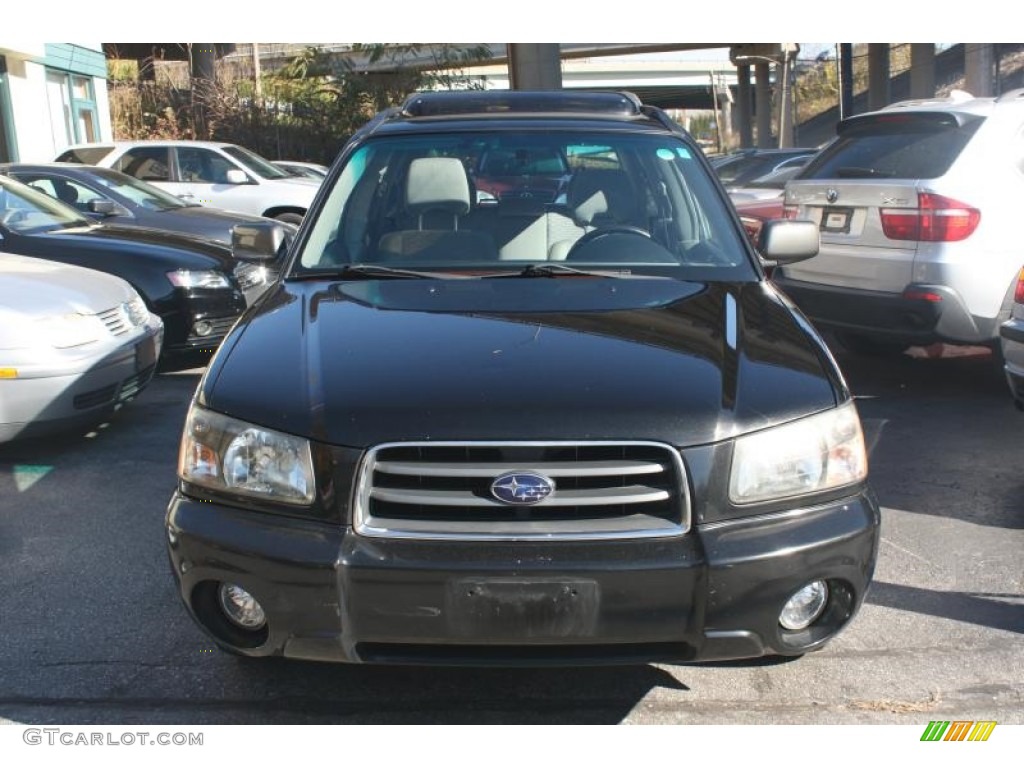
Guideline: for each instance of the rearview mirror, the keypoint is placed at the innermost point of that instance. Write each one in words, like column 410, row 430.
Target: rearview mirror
column 235, row 176
column 786, row 242
column 260, row 241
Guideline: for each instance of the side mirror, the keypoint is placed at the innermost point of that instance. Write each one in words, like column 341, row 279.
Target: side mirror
column 102, row 207
column 786, row 242
column 235, row 176
column 261, row 241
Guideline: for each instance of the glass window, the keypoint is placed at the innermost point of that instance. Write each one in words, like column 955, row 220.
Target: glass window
column 146, row 163
column 84, row 155
column 902, row 146
column 139, row 192
column 59, row 100
column 26, row 210
column 65, row 190
column 203, row 166
column 640, row 203
column 255, row 163
column 72, row 107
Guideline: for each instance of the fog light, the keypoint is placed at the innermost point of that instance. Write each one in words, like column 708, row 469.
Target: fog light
column 805, row 606
column 203, row 328
column 240, row 607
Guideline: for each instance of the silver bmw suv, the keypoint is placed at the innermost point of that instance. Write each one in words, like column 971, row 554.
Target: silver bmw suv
column 918, row 209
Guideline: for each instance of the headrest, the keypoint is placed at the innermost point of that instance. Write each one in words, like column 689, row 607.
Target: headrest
column 601, row 193
column 437, row 184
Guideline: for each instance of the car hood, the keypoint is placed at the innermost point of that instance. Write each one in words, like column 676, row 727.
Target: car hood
column 177, row 250
column 363, row 363
column 31, row 289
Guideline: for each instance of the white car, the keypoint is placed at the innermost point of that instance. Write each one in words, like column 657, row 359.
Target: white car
column 313, row 171
column 75, row 344
column 206, row 172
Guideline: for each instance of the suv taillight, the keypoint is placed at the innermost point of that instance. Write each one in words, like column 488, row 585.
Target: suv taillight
column 1018, row 293
column 790, row 211
column 936, row 219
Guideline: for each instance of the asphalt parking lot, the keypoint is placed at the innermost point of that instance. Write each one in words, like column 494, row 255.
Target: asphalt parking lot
column 93, row 632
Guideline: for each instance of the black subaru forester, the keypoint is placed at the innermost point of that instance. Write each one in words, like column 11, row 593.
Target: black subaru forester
column 560, row 420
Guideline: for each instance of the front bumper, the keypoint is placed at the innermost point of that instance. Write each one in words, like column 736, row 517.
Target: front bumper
column 213, row 310
column 43, row 402
column 1012, row 333
column 890, row 316
column 715, row 593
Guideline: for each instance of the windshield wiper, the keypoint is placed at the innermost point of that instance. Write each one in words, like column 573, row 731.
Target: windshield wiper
column 559, row 270
column 375, row 272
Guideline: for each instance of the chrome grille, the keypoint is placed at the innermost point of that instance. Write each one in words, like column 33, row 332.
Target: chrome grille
column 116, row 320
column 122, row 318
column 443, row 491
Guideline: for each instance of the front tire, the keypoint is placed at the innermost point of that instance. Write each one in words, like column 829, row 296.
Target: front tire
column 290, row 218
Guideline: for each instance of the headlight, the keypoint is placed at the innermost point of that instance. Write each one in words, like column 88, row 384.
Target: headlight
column 206, row 278
column 226, row 454
column 251, row 275
column 814, row 454
column 71, row 330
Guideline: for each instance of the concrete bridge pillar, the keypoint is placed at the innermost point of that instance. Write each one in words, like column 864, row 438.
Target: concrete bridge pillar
column 763, row 104
column 922, row 70
column 878, row 75
column 744, row 114
column 979, row 64
column 534, row 66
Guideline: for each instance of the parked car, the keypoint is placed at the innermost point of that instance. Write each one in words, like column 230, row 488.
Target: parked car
column 771, row 186
column 75, row 345
column 313, row 171
column 113, row 197
column 191, row 284
column 205, row 172
column 738, row 168
column 754, row 213
column 919, row 243
column 1012, row 334
column 523, row 432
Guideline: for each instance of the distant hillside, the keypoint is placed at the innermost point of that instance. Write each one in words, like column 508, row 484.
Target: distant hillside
column 949, row 74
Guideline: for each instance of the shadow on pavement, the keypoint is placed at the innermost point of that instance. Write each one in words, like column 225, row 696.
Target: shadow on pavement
column 998, row 611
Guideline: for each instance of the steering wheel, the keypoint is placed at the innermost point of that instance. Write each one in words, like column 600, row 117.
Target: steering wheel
column 614, row 229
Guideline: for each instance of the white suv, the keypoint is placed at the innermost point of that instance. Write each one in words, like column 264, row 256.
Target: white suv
column 205, row 172
column 920, row 233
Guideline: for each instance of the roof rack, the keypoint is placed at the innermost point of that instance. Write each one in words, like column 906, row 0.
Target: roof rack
column 441, row 103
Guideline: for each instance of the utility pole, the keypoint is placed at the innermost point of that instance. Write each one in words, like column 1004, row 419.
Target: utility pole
column 257, row 71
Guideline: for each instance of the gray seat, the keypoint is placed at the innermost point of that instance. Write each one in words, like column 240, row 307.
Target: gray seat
column 598, row 198
column 437, row 191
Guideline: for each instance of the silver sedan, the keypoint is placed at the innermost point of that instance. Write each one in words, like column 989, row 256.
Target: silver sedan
column 75, row 345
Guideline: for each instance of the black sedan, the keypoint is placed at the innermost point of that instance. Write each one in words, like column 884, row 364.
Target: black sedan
column 190, row 283
column 113, row 197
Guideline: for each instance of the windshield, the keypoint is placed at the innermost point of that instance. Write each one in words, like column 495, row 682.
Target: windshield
column 628, row 202
column 139, row 192
column 25, row 210
column 255, row 163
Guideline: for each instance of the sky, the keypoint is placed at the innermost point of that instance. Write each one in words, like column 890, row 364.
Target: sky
column 522, row 21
